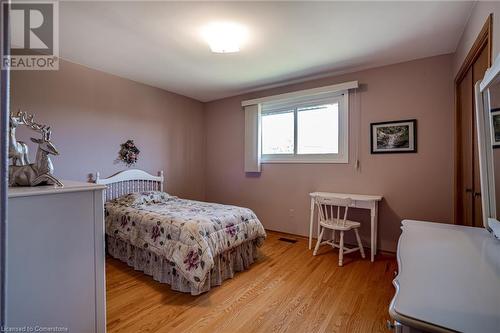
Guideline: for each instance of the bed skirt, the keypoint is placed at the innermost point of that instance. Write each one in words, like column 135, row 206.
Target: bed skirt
column 226, row 264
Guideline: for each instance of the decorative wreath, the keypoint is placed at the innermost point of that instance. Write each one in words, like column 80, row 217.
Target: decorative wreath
column 128, row 153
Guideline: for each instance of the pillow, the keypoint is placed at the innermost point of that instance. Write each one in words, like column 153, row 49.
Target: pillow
column 140, row 198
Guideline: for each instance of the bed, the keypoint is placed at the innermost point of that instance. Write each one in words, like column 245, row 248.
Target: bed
column 190, row 245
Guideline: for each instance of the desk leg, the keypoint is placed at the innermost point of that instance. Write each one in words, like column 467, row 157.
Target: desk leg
column 376, row 227
column 374, row 222
column 311, row 222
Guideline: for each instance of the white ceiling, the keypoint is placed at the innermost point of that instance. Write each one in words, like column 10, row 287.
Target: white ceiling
column 158, row 43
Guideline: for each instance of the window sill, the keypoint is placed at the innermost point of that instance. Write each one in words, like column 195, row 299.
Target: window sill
column 305, row 161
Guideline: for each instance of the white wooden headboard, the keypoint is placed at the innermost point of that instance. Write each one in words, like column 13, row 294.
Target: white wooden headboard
column 129, row 181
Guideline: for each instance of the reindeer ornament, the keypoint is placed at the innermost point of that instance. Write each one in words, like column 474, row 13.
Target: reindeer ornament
column 40, row 172
column 18, row 150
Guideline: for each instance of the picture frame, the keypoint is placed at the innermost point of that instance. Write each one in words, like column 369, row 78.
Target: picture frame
column 394, row 137
column 495, row 127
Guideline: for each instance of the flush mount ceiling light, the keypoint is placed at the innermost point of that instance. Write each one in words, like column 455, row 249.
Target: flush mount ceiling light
column 224, row 37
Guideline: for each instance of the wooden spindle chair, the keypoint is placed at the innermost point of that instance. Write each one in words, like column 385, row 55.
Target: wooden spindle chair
column 335, row 222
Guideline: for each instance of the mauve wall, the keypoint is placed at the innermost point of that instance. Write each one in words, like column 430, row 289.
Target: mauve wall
column 414, row 186
column 92, row 112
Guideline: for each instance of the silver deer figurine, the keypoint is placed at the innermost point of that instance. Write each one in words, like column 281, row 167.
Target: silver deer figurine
column 18, row 150
column 40, row 172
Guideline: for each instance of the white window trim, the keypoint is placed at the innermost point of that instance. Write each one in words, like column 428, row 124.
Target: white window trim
column 253, row 108
column 252, row 138
column 342, row 157
column 301, row 93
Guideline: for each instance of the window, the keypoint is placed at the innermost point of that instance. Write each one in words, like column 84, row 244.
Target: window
column 305, row 126
column 308, row 129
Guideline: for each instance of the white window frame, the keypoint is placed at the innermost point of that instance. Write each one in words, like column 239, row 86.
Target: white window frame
column 253, row 136
column 340, row 97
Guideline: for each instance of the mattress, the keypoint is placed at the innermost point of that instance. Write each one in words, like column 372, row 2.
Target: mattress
column 192, row 235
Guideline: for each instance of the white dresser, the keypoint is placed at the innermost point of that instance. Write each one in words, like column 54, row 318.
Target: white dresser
column 55, row 258
column 448, row 280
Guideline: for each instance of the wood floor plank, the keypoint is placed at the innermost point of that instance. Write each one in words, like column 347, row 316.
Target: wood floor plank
column 286, row 290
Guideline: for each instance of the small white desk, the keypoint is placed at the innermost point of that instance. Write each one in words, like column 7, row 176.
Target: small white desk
column 359, row 201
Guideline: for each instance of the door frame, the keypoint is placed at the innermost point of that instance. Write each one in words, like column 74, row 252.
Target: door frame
column 4, row 165
column 484, row 39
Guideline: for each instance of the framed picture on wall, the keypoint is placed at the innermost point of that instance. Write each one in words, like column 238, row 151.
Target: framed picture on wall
column 495, row 127
column 394, row 137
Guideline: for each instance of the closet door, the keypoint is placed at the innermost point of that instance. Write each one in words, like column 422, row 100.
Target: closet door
column 468, row 210
column 478, row 70
column 471, row 210
column 466, row 128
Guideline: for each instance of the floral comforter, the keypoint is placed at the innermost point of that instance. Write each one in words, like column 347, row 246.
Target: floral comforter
column 186, row 232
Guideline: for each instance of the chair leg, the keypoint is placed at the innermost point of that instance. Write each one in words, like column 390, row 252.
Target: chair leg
column 320, row 237
column 359, row 243
column 319, row 227
column 341, row 248
column 333, row 238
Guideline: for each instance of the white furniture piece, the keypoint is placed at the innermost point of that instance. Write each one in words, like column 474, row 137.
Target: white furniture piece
column 329, row 220
column 487, row 97
column 55, row 257
column 448, row 280
column 358, row 201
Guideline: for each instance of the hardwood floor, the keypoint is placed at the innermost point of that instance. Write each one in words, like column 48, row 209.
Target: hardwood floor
column 286, row 290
